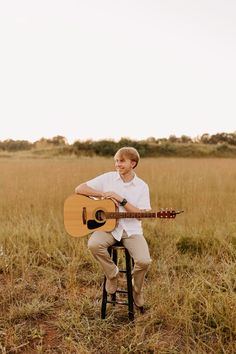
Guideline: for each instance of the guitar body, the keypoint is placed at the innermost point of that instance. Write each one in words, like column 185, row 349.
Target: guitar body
column 84, row 215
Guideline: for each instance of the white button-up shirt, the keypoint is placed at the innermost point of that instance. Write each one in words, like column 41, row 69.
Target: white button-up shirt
column 136, row 192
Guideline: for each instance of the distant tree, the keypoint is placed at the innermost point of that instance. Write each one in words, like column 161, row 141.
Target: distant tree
column 41, row 144
column 173, row 139
column 105, row 147
column 15, row 145
column 85, row 147
column 204, row 139
column 55, row 141
column 185, row 139
column 162, row 140
column 232, row 138
column 151, row 139
column 127, row 142
column 59, row 140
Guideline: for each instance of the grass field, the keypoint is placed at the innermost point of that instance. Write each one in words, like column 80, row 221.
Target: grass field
column 50, row 286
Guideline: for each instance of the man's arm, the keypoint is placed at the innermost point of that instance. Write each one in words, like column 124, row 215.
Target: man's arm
column 88, row 191
column 84, row 189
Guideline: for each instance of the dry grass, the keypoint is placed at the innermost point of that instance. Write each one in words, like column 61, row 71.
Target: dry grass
column 50, row 286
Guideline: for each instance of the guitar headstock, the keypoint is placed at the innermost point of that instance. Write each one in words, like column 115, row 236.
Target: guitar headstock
column 168, row 213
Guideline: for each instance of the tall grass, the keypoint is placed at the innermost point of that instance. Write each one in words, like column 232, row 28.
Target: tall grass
column 50, row 286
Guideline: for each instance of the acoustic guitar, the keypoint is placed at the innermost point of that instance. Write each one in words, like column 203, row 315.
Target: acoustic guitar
column 83, row 215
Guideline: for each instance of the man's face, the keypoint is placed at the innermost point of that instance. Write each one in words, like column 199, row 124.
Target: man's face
column 123, row 165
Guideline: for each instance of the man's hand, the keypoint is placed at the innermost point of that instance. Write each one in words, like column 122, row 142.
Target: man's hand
column 115, row 197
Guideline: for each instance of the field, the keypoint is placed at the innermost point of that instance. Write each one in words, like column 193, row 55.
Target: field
column 50, row 286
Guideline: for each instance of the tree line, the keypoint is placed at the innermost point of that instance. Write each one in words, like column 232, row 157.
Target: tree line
column 220, row 144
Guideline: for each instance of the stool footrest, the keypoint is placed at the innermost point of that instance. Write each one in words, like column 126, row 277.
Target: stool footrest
column 117, row 302
column 122, row 271
column 122, row 291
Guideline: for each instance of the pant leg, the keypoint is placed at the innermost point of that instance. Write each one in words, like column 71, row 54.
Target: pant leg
column 138, row 249
column 98, row 244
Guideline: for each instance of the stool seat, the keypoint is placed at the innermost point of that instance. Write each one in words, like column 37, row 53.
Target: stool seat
column 113, row 251
column 117, row 246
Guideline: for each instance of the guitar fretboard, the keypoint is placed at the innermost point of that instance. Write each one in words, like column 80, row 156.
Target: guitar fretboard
column 124, row 215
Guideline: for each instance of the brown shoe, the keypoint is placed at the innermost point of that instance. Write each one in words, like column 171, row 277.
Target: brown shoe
column 112, row 284
column 137, row 297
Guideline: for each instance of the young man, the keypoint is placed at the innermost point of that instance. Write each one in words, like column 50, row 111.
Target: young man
column 131, row 194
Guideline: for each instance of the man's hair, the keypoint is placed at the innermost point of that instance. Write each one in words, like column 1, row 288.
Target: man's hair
column 128, row 152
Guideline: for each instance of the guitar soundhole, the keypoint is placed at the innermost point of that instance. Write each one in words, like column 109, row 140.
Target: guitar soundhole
column 99, row 221
column 100, row 215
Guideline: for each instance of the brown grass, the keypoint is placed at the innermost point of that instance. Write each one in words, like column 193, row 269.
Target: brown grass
column 50, row 286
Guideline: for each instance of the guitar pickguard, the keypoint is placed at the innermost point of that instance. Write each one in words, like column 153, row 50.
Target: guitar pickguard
column 93, row 224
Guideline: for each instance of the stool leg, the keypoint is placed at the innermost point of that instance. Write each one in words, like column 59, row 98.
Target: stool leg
column 104, row 300
column 129, row 285
column 113, row 254
column 114, row 258
column 104, row 295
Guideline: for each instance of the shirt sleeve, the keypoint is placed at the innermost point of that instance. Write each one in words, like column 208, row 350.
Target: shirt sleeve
column 97, row 183
column 144, row 199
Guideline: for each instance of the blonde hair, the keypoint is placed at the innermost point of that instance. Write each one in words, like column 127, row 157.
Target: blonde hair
column 129, row 152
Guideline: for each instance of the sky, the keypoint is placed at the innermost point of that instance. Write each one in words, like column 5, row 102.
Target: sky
column 106, row 69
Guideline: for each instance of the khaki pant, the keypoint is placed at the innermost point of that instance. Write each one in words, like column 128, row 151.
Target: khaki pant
column 137, row 246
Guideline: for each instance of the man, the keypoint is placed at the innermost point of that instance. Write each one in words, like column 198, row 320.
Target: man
column 131, row 194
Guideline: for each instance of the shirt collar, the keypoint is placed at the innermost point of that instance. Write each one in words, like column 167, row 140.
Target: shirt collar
column 133, row 181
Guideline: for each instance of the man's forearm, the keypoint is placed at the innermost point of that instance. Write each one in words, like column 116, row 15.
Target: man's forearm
column 86, row 190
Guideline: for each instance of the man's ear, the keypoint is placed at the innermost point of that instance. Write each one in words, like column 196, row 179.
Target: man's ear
column 133, row 164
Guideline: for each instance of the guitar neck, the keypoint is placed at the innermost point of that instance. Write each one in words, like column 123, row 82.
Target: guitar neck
column 125, row 215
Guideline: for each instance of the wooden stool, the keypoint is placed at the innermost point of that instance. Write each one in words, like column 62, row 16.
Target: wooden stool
column 113, row 250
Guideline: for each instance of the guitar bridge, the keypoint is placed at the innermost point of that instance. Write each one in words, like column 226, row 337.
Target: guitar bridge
column 84, row 216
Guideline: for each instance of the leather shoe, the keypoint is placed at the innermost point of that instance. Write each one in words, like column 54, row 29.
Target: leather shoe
column 112, row 284
column 137, row 297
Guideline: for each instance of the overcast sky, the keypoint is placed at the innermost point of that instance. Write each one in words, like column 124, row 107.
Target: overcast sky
column 117, row 68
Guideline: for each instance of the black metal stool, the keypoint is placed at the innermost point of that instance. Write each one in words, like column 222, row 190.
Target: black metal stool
column 113, row 250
